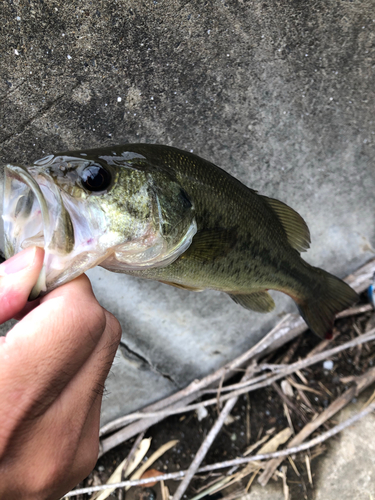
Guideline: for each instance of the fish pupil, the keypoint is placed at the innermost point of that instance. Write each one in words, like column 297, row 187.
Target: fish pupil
column 95, row 178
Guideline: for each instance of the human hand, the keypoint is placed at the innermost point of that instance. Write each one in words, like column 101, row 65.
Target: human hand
column 53, row 365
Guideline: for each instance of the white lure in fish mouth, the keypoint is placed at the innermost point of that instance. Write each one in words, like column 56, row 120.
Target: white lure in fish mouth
column 76, row 234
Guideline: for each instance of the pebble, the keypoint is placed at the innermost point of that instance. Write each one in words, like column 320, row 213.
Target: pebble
column 328, row 364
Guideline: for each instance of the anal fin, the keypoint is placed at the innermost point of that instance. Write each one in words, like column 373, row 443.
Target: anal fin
column 183, row 287
column 257, row 301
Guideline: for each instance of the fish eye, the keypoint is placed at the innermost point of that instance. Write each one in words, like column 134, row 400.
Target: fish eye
column 95, row 178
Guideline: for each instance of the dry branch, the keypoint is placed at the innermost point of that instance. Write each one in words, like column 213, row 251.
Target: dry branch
column 205, row 446
column 361, row 383
column 147, row 419
column 237, row 461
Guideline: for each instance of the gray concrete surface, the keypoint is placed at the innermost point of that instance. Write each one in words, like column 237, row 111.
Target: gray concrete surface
column 280, row 94
column 273, row 491
column 347, row 470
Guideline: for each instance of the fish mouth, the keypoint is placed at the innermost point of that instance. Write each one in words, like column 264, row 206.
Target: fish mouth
column 76, row 233
column 36, row 212
column 33, row 216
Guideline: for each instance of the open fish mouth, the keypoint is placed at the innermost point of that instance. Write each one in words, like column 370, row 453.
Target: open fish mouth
column 33, row 215
column 76, row 232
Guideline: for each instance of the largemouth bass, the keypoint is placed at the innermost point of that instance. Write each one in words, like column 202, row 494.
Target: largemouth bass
column 160, row 213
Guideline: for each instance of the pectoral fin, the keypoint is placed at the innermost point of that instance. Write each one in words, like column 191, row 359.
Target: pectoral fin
column 257, row 301
column 210, row 244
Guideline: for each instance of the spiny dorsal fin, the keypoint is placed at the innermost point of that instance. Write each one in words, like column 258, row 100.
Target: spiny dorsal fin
column 210, row 244
column 297, row 232
column 257, row 301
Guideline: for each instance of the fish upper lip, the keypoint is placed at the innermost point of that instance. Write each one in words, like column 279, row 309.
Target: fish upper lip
column 25, row 215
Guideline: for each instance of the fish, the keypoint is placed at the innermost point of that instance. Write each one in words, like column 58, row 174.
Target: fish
column 160, row 213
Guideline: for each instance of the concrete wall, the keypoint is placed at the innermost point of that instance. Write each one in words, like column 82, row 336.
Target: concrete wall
column 280, row 94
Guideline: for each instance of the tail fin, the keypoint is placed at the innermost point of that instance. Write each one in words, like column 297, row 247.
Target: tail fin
column 319, row 311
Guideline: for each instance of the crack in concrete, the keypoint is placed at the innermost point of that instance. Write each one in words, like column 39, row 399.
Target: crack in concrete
column 39, row 114
column 135, row 356
column 12, row 90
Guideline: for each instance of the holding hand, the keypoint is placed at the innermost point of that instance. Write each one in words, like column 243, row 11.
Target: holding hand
column 53, row 365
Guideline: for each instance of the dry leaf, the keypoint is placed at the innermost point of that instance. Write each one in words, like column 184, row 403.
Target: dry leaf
column 164, row 491
column 141, row 451
column 150, row 473
column 255, row 445
column 287, row 388
column 272, row 445
column 138, row 456
column 308, row 468
column 157, row 454
column 284, row 468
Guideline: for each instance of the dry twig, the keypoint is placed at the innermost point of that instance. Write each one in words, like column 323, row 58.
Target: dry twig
column 361, row 383
column 354, row 311
column 147, row 419
column 205, row 446
column 237, row 461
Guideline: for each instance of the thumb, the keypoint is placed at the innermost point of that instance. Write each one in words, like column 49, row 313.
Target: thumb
column 18, row 275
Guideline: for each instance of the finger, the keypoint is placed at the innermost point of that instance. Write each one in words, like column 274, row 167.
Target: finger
column 87, row 388
column 28, row 307
column 50, row 344
column 74, row 418
column 18, row 275
column 88, row 446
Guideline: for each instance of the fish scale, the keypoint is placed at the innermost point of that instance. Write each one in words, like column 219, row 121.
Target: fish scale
column 160, row 213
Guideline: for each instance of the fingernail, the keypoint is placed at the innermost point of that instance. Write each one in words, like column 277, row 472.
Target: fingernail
column 18, row 262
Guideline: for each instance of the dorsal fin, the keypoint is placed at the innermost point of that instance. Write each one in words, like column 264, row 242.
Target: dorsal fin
column 296, row 229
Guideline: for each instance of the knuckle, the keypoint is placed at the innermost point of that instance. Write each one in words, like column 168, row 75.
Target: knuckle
column 88, row 313
column 95, row 316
